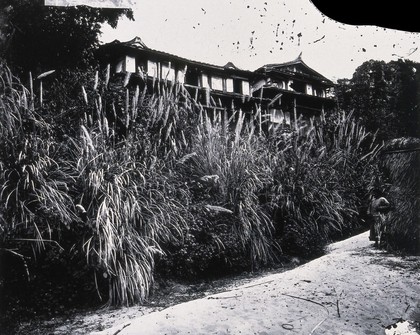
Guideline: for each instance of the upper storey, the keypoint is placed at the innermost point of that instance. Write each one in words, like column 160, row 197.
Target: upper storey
column 293, row 76
column 135, row 57
column 291, row 87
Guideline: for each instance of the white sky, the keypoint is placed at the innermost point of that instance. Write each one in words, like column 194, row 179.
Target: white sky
column 251, row 33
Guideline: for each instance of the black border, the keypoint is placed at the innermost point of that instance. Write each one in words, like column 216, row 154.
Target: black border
column 400, row 15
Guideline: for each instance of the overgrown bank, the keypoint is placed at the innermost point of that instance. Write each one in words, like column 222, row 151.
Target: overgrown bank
column 400, row 163
column 110, row 187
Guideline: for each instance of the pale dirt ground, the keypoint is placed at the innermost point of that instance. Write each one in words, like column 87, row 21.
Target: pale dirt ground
column 353, row 289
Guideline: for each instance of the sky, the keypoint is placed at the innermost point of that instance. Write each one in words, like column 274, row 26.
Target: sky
column 251, row 33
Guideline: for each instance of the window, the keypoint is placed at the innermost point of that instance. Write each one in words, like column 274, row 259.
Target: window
column 318, row 92
column 229, row 85
column 168, row 72
column 309, row 89
column 152, row 69
column 130, row 64
column 245, row 87
column 217, row 83
column 277, row 116
column 298, row 86
column 127, row 63
column 289, row 85
column 204, row 81
column 281, row 85
column 192, row 77
column 241, row 87
column 180, row 76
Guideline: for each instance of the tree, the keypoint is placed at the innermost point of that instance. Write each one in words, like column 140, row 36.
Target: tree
column 384, row 96
column 35, row 37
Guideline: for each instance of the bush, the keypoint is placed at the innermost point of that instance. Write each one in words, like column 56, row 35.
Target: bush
column 138, row 177
column 209, row 249
column 34, row 201
column 226, row 173
column 126, row 190
column 118, row 200
column 400, row 161
column 321, row 175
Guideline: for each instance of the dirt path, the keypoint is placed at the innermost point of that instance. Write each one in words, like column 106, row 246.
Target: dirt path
column 354, row 289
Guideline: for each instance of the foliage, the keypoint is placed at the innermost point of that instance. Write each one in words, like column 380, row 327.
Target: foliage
column 227, row 175
column 35, row 36
column 126, row 191
column 400, row 163
column 321, row 178
column 208, row 250
column 33, row 195
column 120, row 178
column 125, row 207
column 384, row 96
column 35, row 207
column 129, row 211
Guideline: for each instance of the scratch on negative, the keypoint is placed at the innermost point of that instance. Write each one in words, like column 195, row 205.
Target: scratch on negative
column 319, row 39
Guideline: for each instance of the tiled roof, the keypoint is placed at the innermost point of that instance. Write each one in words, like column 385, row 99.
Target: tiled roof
column 138, row 44
column 281, row 67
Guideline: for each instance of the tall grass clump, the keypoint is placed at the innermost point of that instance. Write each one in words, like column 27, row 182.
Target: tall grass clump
column 125, row 191
column 101, row 187
column 321, row 178
column 34, row 201
column 128, row 213
column 161, row 120
column 227, row 177
column 169, row 119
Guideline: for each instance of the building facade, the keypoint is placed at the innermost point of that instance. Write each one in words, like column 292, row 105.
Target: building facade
column 283, row 92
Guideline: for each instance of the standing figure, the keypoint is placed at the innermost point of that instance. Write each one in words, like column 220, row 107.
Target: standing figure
column 377, row 209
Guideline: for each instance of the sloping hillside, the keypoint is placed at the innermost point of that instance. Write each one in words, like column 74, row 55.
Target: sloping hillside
column 354, row 289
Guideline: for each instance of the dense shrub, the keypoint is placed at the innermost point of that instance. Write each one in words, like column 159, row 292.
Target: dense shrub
column 36, row 209
column 208, row 250
column 321, row 177
column 34, row 201
column 126, row 190
column 118, row 199
column 227, row 174
column 400, row 162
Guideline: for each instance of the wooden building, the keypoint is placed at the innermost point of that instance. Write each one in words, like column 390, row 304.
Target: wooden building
column 284, row 92
column 294, row 90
